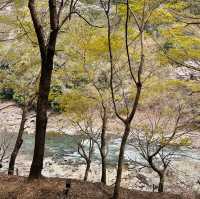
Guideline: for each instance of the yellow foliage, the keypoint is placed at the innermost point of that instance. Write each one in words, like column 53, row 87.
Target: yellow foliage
column 76, row 105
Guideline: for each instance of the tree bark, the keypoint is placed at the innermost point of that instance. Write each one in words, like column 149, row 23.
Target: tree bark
column 41, row 116
column 42, row 107
column 47, row 52
column 103, row 169
column 18, row 143
column 103, row 147
column 161, row 183
column 87, row 170
column 120, row 161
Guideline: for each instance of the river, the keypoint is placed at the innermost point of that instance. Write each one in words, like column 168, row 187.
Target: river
column 63, row 160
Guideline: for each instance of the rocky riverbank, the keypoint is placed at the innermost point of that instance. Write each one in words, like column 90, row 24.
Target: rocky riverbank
column 180, row 180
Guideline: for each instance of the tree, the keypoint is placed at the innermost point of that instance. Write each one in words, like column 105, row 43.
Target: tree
column 165, row 123
column 47, row 51
column 179, row 47
column 24, row 89
column 82, row 108
column 18, row 143
column 89, row 80
column 47, row 48
column 26, row 106
column 137, row 82
column 179, row 42
column 137, row 20
column 161, row 129
column 190, row 14
column 87, row 156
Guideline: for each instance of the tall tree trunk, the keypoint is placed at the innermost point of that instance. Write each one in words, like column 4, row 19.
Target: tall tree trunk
column 87, row 170
column 103, row 147
column 120, row 161
column 161, row 183
column 47, row 52
column 18, row 143
column 41, row 118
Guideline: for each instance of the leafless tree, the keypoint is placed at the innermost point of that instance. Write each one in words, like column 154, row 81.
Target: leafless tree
column 86, row 153
column 18, row 143
column 153, row 138
column 104, row 112
column 89, row 131
column 134, row 72
column 137, row 83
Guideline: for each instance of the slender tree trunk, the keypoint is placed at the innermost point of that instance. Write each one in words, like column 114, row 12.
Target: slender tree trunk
column 18, row 143
column 120, row 161
column 161, row 183
column 103, row 148
column 103, row 169
column 161, row 174
column 87, row 170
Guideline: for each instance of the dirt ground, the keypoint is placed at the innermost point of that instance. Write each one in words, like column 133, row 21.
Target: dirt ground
column 13, row 187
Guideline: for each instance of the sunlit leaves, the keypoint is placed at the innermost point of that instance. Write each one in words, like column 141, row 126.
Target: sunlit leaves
column 77, row 105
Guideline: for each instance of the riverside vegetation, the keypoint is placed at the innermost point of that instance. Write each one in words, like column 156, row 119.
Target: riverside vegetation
column 111, row 85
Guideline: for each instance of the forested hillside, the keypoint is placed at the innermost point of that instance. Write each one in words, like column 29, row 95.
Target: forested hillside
column 103, row 91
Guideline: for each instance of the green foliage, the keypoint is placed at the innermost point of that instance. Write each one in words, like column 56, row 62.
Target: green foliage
column 77, row 105
column 55, row 93
column 18, row 98
column 185, row 141
column 82, row 58
column 20, row 77
column 19, row 3
column 6, row 94
column 54, row 133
